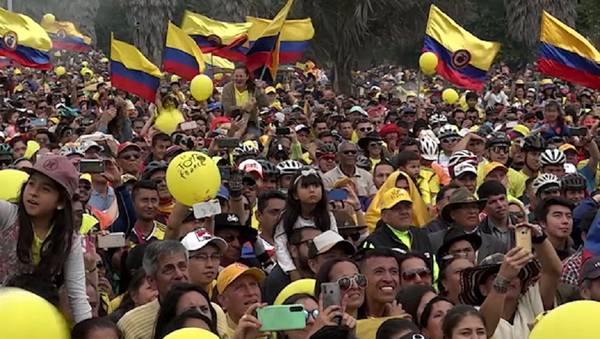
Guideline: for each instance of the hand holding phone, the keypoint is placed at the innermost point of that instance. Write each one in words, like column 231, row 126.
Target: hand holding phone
column 281, row 318
column 337, row 194
column 523, row 238
column 112, row 240
column 332, row 296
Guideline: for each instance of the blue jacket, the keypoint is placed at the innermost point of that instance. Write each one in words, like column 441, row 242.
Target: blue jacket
column 592, row 240
column 127, row 216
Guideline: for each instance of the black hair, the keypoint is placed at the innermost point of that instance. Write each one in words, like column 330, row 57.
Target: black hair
column 16, row 139
column 143, row 184
column 160, row 137
column 179, row 322
column 471, row 95
column 265, row 196
column 455, row 315
column 379, row 252
column 83, row 329
column 249, row 83
column 137, row 280
column 489, row 188
column 424, row 321
column 401, row 123
column 405, row 156
column 168, row 308
column 318, row 121
column 291, row 213
column 138, row 139
column 391, row 327
column 414, row 254
column 444, row 189
column 323, row 274
column 544, row 207
column 410, row 297
column 382, row 163
column 57, row 245
column 36, row 285
column 555, row 104
column 294, row 299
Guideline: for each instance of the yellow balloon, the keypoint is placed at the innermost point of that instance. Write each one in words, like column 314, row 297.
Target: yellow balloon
column 192, row 333
column 168, row 120
column 84, row 63
column 12, row 181
column 19, row 307
column 450, row 96
column 32, row 147
column 48, row 19
column 201, row 87
column 193, row 177
column 575, row 319
column 428, row 61
column 60, row 70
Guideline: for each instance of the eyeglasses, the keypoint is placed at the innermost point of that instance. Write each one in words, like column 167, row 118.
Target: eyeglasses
column 42, row 107
column 229, row 238
column 365, row 129
column 359, row 280
column 499, row 149
column 311, row 313
column 350, row 152
column 131, row 156
column 517, row 214
column 423, row 273
column 450, row 139
column 32, row 101
column 204, row 257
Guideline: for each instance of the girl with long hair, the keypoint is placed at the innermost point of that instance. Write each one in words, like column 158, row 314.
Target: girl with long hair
column 306, row 206
column 38, row 234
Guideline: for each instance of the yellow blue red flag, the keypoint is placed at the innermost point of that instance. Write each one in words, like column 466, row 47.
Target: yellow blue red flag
column 218, row 62
column 264, row 52
column 24, row 41
column 132, row 72
column 182, row 56
column 219, row 38
column 65, row 35
column 295, row 37
column 566, row 54
column 463, row 59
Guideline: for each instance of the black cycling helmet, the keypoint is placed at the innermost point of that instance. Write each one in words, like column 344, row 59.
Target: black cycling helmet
column 573, row 181
column 152, row 167
column 497, row 138
column 533, row 143
column 484, row 130
column 269, row 168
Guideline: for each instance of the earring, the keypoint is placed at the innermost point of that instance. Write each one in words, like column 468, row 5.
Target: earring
column 60, row 208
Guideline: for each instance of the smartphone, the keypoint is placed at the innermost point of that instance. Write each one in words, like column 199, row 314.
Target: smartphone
column 225, row 172
column 332, row 296
column 578, row 131
column 337, row 194
column 39, row 122
column 228, row 142
column 523, row 238
column 207, row 209
column 91, row 166
column 281, row 318
column 282, row 131
column 186, row 126
column 112, row 240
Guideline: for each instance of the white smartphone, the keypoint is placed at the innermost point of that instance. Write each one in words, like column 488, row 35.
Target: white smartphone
column 186, row 126
column 112, row 240
column 207, row 209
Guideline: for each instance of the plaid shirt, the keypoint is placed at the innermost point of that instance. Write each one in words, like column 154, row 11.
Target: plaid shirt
column 571, row 269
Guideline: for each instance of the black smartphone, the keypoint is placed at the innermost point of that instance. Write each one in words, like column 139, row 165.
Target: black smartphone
column 225, row 172
column 282, row 131
column 228, row 142
column 578, row 131
column 91, row 166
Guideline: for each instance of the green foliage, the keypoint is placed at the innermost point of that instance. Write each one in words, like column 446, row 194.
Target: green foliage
column 588, row 20
column 111, row 17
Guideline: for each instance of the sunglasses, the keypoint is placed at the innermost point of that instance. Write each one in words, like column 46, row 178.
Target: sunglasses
column 42, row 107
column 350, row 152
column 85, row 187
column 131, row 156
column 32, row 101
column 365, row 129
column 359, row 280
column 229, row 238
column 375, row 144
column 311, row 313
column 423, row 273
column 354, row 236
column 328, row 157
column 500, row 149
column 450, row 139
column 517, row 214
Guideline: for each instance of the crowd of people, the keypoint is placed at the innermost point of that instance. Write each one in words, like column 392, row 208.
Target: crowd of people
column 435, row 219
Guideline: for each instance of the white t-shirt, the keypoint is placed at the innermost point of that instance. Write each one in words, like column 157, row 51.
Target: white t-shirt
column 491, row 99
column 529, row 306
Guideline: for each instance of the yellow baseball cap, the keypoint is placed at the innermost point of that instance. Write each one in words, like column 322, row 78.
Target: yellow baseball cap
column 86, row 177
column 17, row 71
column 230, row 273
column 393, row 197
column 270, row 89
column 521, row 129
column 492, row 166
column 567, row 147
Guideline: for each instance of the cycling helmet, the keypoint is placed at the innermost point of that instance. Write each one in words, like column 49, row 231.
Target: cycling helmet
column 363, row 162
column 269, row 168
column 484, row 130
column 289, row 166
column 71, row 149
column 327, row 148
column 434, row 119
column 244, row 149
column 545, row 181
column 448, row 131
column 6, row 150
column 462, row 156
column 497, row 138
column 533, row 143
column 573, row 181
column 429, row 149
column 152, row 167
column 552, row 157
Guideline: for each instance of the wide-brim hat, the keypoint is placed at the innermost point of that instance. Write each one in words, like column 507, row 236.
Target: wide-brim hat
column 454, row 234
column 458, row 198
column 371, row 136
column 472, row 277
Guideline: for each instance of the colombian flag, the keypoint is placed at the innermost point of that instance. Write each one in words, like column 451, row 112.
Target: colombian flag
column 65, row 35
column 216, row 37
column 264, row 52
column 24, row 41
column 295, row 37
column 5, row 62
column 566, row 54
column 218, row 62
column 132, row 72
column 182, row 56
column 463, row 59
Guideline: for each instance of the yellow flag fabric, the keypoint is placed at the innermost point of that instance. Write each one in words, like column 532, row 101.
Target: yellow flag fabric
column 182, row 56
column 29, row 33
column 196, row 24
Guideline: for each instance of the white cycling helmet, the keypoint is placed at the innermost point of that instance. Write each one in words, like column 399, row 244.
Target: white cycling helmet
column 289, row 166
column 247, row 148
column 461, row 156
column 448, row 130
column 545, row 180
column 552, row 157
column 429, row 148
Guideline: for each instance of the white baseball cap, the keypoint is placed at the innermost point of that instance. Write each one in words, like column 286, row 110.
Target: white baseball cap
column 463, row 168
column 251, row 165
column 198, row 239
column 301, row 127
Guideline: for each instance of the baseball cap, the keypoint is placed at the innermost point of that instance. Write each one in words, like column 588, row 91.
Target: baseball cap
column 393, row 197
column 126, row 145
column 270, row 89
column 198, row 239
column 326, row 241
column 88, row 144
column 223, row 193
column 86, row 176
column 590, row 270
column 301, row 127
column 567, row 147
column 251, row 165
column 230, row 273
column 463, row 168
column 59, row 169
column 492, row 166
column 358, row 109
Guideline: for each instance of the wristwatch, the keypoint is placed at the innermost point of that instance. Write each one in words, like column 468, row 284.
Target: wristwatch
column 501, row 284
column 538, row 239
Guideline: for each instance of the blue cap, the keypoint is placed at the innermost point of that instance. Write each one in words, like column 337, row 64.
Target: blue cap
column 223, row 193
column 214, row 106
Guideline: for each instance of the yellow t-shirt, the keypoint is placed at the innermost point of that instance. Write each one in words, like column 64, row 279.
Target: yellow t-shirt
column 36, row 247
column 241, row 98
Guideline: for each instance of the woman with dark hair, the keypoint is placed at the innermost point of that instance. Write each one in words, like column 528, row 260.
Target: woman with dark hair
column 554, row 124
column 243, row 95
column 414, row 298
column 449, row 279
column 96, row 328
column 138, row 294
column 115, row 121
column 38, row 234
column 464, row 321
column 352, row 285
column 191, row 318
column 183, row 297
column 432, row 317
column 415, row 269
column 372, row 147
column 396, row 328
